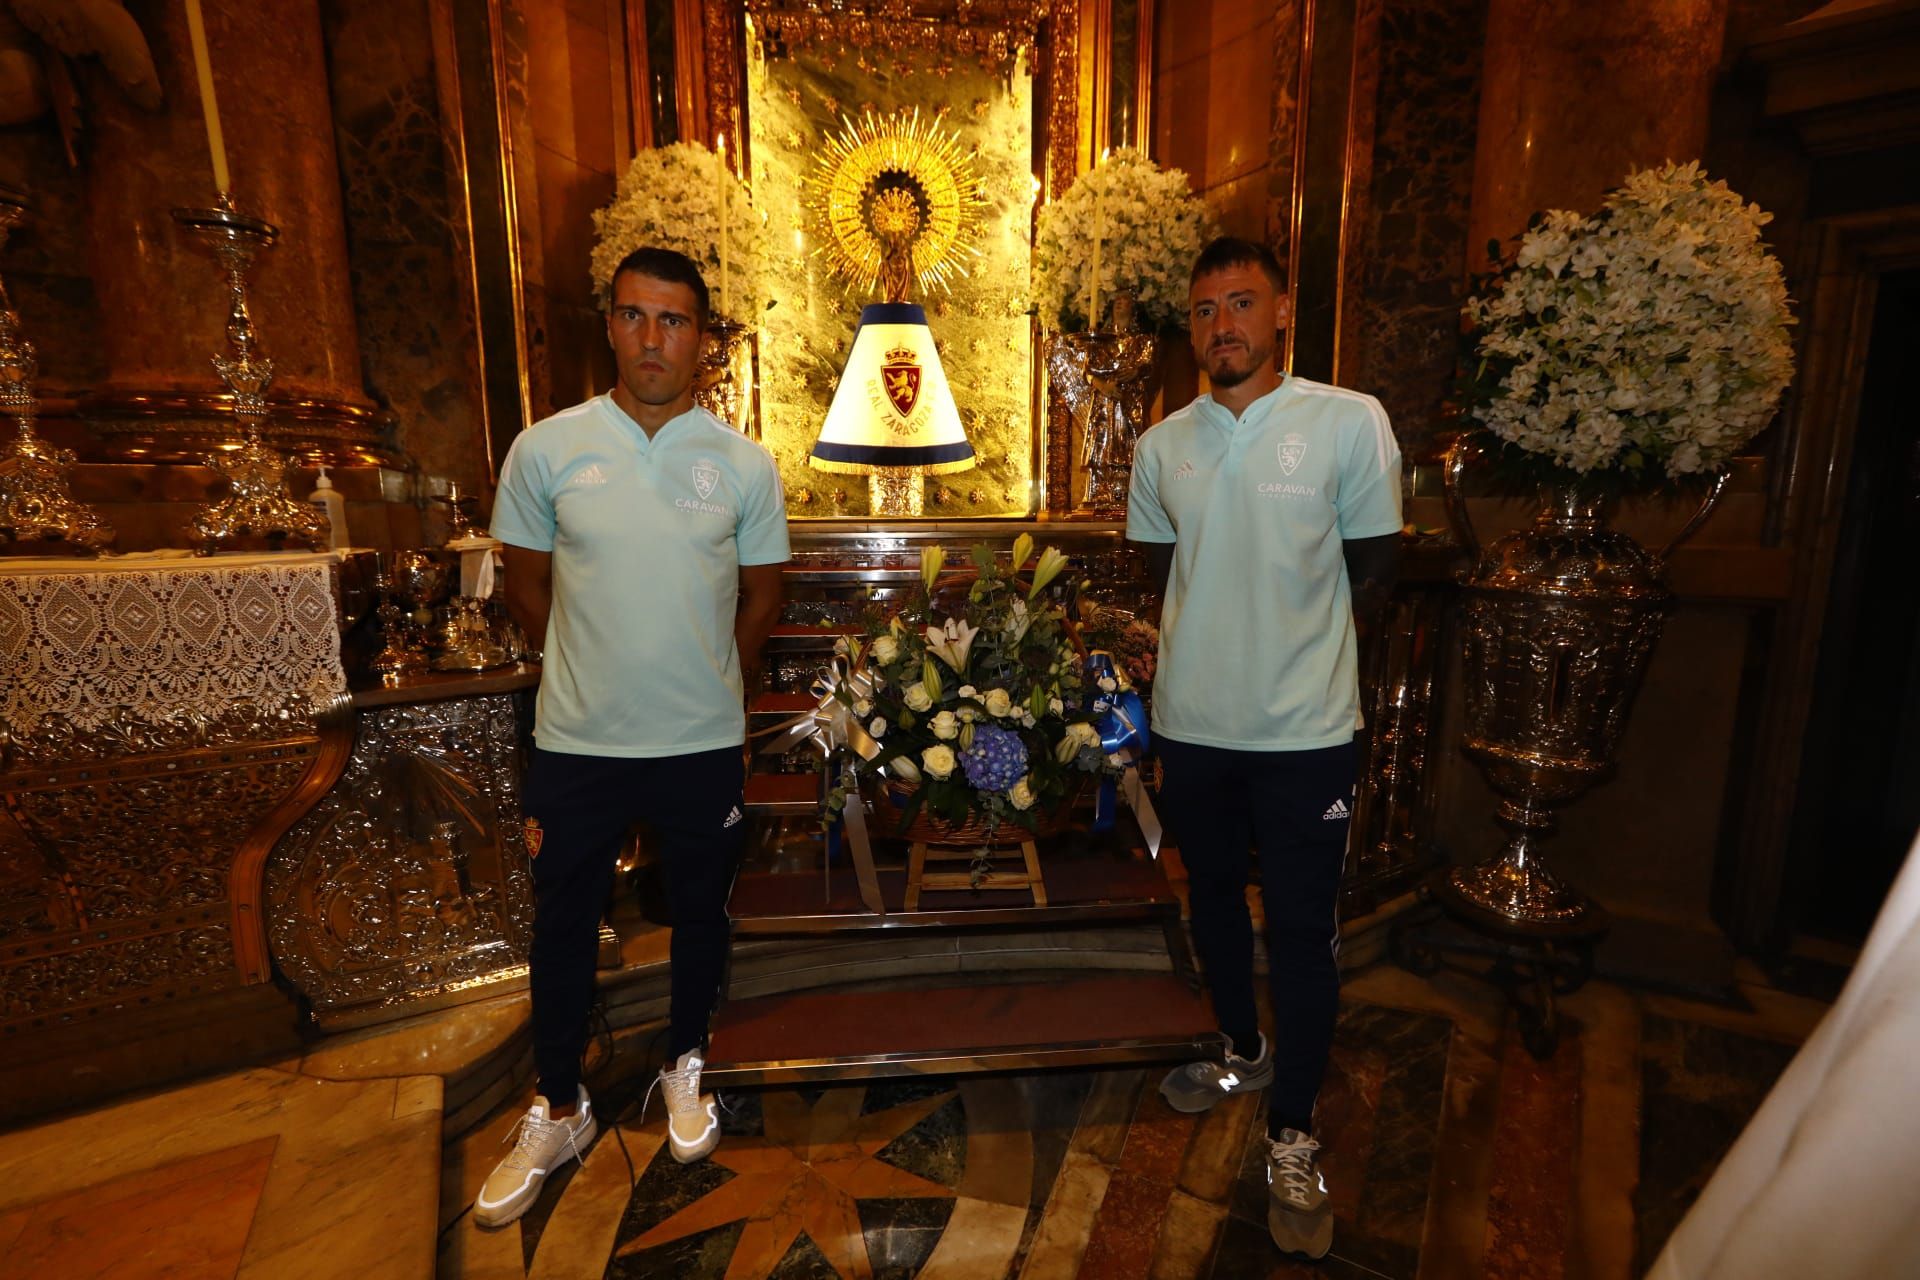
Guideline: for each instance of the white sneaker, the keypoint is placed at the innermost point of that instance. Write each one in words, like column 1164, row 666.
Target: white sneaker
column 693, row 1117
column 543, row 1143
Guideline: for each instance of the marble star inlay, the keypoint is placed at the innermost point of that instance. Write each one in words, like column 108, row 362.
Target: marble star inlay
column 805, row 1175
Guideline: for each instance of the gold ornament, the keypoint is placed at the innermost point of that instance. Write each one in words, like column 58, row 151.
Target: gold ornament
column 900, row 198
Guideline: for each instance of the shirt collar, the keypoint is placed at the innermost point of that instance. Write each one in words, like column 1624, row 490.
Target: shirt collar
column 1222, row 417
column 671, row 427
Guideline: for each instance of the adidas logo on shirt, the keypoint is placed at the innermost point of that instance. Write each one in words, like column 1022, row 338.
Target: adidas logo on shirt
column 732, row 818
column 1337, row 812
column 589, row 474
column 1185, row 471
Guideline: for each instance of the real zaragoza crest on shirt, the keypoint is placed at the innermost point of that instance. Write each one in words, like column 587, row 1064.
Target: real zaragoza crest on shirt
column 706, row 479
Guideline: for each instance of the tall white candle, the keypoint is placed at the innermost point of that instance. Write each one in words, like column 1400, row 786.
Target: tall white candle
column 209, row 107
column 1093, row 282
column 726, row 211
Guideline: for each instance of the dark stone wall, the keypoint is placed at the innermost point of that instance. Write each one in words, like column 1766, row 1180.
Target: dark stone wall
column 406, row 232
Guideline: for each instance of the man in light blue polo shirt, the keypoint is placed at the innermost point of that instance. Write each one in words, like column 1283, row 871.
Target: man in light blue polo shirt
column 1270, row 512
column 644, row 540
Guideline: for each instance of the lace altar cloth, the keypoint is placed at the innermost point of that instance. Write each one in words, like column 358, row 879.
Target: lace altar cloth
column 164, row 637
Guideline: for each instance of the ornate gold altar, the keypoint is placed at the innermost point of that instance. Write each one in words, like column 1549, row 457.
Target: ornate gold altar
column 165, row 719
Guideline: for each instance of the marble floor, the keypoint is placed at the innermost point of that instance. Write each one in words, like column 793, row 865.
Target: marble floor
column 1450, row 1153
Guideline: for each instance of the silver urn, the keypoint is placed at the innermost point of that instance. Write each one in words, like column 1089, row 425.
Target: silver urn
column 1558, row 621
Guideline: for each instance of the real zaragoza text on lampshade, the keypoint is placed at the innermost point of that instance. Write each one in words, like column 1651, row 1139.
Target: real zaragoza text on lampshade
column 893, row 409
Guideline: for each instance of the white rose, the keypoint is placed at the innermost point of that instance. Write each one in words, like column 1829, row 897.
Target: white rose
column 863, row 707
column 1056, row 707
column 999, row 703
column 885, row 650
column 1083, row 734
column 878, row 728
column 945, row 726
column 915, row 696
column 1026, row 719
column 1021, row 794
column 968, row 691
column 938, row 760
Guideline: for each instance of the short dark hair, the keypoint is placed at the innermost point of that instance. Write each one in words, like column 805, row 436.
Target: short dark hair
column 1232, row 251
column 669, row 265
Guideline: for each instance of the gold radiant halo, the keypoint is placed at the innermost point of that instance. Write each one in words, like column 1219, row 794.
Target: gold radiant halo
column 921, row 159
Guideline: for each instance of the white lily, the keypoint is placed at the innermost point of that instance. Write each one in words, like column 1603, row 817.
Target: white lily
column 951, row 642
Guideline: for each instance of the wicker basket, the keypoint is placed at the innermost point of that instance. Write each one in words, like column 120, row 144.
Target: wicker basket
column 894, row 796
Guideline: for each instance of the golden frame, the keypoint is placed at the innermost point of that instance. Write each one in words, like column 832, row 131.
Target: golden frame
column 1073, row 63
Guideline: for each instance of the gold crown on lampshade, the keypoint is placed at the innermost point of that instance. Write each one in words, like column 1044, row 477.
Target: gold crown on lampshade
column 893, row 407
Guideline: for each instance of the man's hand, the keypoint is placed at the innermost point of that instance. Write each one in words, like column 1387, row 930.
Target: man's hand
column 530, row 591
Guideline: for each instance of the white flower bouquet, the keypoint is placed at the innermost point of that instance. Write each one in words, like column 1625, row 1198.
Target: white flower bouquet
column 976, row 706
column 672, row 197
column 1637, row 347
column 1149, row 227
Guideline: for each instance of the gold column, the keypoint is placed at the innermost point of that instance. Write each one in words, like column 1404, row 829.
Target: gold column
column 161, row 399
column 1574, row 95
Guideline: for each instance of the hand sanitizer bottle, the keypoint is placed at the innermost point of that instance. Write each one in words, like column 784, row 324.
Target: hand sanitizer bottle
column 334, row 507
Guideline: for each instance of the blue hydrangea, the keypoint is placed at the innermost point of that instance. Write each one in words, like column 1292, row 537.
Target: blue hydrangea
column 996, row 760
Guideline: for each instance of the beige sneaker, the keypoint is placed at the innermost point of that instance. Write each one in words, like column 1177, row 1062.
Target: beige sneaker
column 544, row 1142
column 693, row 1117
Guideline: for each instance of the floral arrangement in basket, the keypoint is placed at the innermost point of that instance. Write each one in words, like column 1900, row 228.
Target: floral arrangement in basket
column 974, row 703
column 1139, row 225
column 681, row 197
column 1635, row 347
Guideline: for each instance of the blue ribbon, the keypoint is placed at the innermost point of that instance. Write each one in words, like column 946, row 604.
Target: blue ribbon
column 1120, row 717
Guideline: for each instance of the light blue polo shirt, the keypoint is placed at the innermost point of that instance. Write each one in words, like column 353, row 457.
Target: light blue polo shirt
column 1257, row 647
column 647, row 537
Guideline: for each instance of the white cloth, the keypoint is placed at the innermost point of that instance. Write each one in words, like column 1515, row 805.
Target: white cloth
column 149, row 639
column 1825, row 1179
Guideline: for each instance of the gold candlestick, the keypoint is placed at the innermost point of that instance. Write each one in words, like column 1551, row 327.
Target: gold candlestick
column 37, row 512
column 258, row 507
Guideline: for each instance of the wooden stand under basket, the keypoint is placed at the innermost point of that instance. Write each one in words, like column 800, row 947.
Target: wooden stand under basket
column 931, row 840
column 918, row 877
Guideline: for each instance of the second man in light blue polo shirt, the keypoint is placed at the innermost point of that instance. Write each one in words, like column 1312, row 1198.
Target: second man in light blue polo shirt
column 1270, row 512
column 645, row 541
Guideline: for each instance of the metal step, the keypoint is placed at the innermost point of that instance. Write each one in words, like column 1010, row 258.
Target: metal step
column 971, row 1025
column 1096, row 887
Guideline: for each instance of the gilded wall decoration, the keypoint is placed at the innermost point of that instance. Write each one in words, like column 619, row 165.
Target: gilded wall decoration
column 411, row 876
column 797, row 102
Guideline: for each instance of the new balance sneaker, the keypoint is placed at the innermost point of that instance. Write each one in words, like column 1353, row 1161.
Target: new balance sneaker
column 541, row 1143
column 1299, row 1217
column 693, row 1118
column 1198, row 1085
